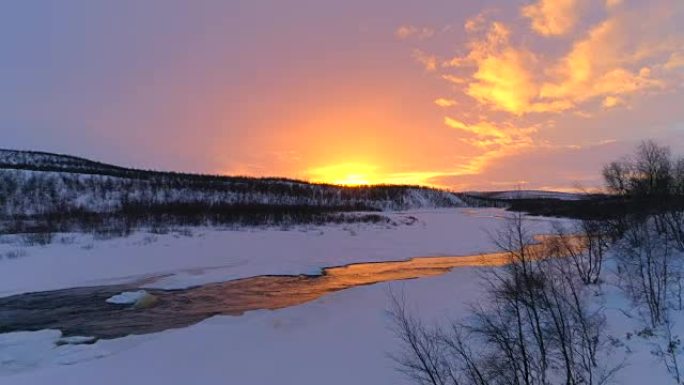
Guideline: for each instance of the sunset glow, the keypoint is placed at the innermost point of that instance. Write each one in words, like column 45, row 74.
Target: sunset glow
column 342, row 192
column 356, row 174
column 346, row 174
column 453, row 94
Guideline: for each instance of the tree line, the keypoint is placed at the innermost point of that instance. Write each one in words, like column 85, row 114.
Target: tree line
column 651, row 172
column 540, row 321
column 42, row 192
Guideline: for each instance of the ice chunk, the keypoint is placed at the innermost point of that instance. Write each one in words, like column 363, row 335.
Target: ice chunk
column 74, row 340
column 128, row 297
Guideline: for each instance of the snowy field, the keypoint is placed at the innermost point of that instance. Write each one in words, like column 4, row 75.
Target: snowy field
column 201, row 255
column 338, row 339
column 342, row 338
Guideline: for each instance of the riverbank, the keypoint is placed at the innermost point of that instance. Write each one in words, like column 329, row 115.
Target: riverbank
column 194, row 256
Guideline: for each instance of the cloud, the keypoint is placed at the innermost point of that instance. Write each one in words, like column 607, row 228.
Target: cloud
column 600, row 64
column 411, row 31
column 612, row 101
column 477, row 22
column 622, row 55
column 511, row 84
column 495, row 140
column 485, row 132
column 454, row 79
column 488, row 134
column 552, row 17
column 442, row 102
column 675, row 61
column 429, row 62
column 502, row 75
column 546, row 167
column 502, row 80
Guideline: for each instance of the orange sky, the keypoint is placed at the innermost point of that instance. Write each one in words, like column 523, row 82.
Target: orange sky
column 451, row 93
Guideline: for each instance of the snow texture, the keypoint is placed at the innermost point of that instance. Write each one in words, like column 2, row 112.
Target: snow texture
column 341, row 338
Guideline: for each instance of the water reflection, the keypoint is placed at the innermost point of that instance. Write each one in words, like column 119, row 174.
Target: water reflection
column 83, row 311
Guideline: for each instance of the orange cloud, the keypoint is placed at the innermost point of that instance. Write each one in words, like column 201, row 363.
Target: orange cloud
column 508, row 86
column 613, row 58
column 501, row 78
column 596, row 66
column 411, row 31
column 552, row 17
column 442, row 102
column 429, row 62
column 488, row 134
column 454, row 79
column 476, row 23
column 675, row 61
column 503, row 75
column 612, row 101
column 496, row 140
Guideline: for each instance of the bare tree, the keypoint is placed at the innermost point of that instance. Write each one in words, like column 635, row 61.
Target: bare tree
column 669, row 349
column 648, row 173
column 585, row 247
column 651, row 232
column 673, row 223
column 678, row 177
column 535, row 326
column 651, row 275
column 617, row 176
column 422, row 357
column 653, row 165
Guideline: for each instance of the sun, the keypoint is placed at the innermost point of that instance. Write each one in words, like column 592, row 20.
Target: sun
column 347, row 174
column 365, row 174
column 352, row 180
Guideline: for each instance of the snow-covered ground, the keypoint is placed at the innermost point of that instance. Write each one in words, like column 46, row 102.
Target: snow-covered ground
column 341, row 338
column 338, row 339
column 197, row 256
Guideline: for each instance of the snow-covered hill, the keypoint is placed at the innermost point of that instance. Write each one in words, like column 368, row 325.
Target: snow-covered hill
column 36, row 160
column 37, row 183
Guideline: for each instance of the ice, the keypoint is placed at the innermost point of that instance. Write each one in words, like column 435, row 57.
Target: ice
column 128, row 297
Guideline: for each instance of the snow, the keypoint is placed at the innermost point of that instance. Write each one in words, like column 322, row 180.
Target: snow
column 25, row 351
column 341, row 338
column 98, row 188
column 128, row 297
column 182, row 259
column 76, row 340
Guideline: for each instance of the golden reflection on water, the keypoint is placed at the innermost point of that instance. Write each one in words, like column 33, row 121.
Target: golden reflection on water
column 275, row 292
column 84, row 311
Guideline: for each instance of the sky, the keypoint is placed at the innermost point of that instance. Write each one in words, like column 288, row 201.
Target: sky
column 457, row 94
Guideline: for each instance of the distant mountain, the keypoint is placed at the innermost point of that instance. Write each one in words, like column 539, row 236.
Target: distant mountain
column 44, row 185
column 529, row 194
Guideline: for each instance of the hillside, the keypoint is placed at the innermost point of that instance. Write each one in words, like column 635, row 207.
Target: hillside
column 37, row 185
